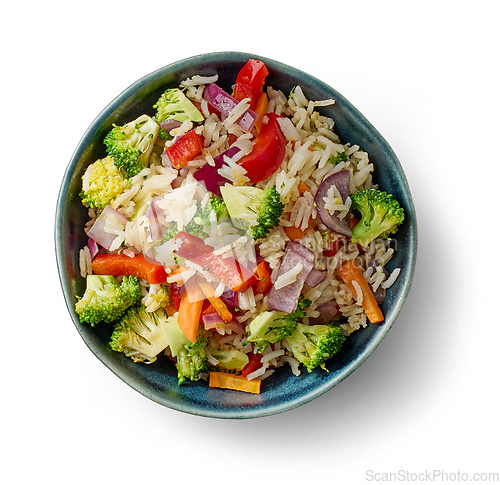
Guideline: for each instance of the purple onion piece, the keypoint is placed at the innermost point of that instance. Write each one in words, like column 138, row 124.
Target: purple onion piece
column 315, row 277
column 169, row 125
column 327, row 312
column 97, row 232
column 306, row 253
column 93, row 248
column 341, row 181
column 212, row 320
column 156, row 229
column 286, row 298
column 230, row 298
column 209, row 176
column 225, row 103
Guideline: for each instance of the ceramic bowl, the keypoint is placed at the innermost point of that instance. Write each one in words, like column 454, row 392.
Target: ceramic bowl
column 158, row 382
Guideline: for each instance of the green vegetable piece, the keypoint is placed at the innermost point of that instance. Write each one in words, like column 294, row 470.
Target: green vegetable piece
column 140, row 335
column 102, row 183
column 230, row 359
column 313, row 345
column 174, row 105
column 270, row 327
column 380, row 215
column 191, row 358
column 105, row 300
column 131, row 145
column 254, row 210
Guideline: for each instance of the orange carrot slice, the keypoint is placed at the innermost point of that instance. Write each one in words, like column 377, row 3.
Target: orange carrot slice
column 350, row 272
column 225, row 380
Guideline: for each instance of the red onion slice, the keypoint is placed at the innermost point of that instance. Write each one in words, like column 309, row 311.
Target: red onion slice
column 341, row 181
column 169, row 125
column 209, row 176
column 286, row 298
column 93, row 248
column 225, row 103
column 156, row 229
column 97, row 232
column 315, row 277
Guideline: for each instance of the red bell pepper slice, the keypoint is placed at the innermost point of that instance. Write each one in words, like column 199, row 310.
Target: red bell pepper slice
column 254, row 363
column 122, row 265
column 333, row 249
column 263, row 283
column 250, row 81
column 185, row 149
column 234, row 275
column 268, row 151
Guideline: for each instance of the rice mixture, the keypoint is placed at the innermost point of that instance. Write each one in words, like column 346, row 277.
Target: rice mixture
column 311, row 144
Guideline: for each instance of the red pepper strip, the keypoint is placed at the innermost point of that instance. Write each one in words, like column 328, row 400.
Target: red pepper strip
column 333, row 249
column 263, row 283
column 254, row 363
column 250, row 81
column 234, row 275
column 121, row 265
column 185, row 149
column 268, row 151
column 176, row 292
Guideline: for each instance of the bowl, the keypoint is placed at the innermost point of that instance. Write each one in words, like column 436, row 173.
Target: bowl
column 282, row 391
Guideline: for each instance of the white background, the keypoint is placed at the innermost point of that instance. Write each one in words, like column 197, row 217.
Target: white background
column 426, row 75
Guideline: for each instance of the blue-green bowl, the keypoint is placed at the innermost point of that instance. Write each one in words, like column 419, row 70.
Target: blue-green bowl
column 282, row 391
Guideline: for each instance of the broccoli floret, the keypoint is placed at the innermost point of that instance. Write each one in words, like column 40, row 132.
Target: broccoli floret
column 218, row 205
column 191, row 358
column 339, row 157
column 102, row 183
column 200, row 219
column 131, row 145
column 254, row 210
column 313, row 345
column 106, row 300
column 157, row 297
column 270, row 327
column 230, row 359
column 174, row 105
column 380, row 215
column 140, row 335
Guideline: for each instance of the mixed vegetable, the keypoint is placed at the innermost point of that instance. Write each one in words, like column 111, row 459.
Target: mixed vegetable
column 233, row 233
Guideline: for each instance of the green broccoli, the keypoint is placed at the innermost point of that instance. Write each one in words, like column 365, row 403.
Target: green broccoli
column 254, row 210
column 106, row 300
column 313, row 345
column 200, row 219
column 174, row 105
column 131, row 145
column 191, row 358
column 102, row 183
column 230, row 359
column 380, row 215
column 337, row 158
column 270, row 327
column 140, row 335
column 218, row 205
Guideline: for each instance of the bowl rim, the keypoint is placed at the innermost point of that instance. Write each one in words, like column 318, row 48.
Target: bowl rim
column 325, row 384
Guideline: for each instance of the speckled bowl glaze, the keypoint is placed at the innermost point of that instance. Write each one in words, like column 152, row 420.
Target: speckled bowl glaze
column 282, row 391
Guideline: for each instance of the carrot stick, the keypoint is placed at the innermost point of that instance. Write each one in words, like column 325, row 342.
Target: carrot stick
column 261, row 109
column 350, row 272
column 231, row 381
column 216, row 302
column 178, row 270
column 190, row 310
